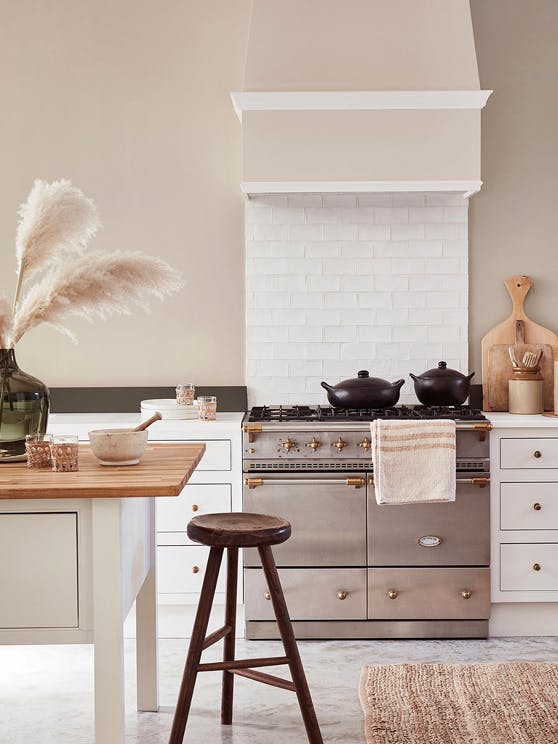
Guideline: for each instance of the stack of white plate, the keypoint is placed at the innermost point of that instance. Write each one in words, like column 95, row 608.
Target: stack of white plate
column 169, row 409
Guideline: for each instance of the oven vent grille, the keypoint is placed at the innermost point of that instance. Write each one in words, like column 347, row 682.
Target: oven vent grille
column 463, row 464
column 341, row 465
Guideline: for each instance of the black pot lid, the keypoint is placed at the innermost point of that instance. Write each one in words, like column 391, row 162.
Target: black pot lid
column 363, row 379
column 443, row 372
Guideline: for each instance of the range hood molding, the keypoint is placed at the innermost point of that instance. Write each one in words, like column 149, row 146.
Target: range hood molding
column 253, row 188
column 365, row 100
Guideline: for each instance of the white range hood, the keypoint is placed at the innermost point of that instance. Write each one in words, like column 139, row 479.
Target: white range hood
column 360, row 95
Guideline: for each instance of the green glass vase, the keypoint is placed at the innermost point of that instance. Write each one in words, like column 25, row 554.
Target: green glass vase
column 24, row 406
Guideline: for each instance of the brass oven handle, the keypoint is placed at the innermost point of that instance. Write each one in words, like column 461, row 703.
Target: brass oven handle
column 536, row 566
column 537, row 506
column 393, row 593
column 537, row 454
column 267, row 595
column 342, row 595
column 466, row 593
column 480, row 482
column 356, row 482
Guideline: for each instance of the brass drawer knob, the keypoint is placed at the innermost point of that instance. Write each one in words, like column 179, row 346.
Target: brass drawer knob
column 342, row 595
column 537, row 506
column 537, row 454
column 466, row 593
column 393, row 593
column 195, row 507
column 195, row 569
column 536, row 566
column 267, row 595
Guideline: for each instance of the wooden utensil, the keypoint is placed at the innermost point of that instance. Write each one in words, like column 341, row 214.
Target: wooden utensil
column 156, row 417
column 527, row 336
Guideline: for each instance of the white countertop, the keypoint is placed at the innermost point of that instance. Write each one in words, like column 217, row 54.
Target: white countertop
column 81, row 423
column 504, row 420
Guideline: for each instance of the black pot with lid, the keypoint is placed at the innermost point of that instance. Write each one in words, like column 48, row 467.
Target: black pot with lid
column 363, row 391
column 442, row 386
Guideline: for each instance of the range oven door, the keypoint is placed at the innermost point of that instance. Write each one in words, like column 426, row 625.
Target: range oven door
column 327, row 513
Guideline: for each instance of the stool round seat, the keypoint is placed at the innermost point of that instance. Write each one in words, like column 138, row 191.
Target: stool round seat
column 238, row 530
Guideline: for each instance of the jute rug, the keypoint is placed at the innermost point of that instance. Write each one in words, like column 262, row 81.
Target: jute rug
column 512, row 703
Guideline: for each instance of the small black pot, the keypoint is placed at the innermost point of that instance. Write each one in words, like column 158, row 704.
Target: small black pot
column 442, row 386
column 364, row 392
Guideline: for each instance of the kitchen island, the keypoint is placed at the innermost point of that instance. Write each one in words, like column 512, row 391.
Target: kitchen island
column 77, row 549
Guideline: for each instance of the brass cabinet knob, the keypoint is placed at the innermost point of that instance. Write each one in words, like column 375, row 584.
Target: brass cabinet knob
column 195, row 507
column 288, row 444
column 267, row 595
column 342, row 595
column 365, row 444
column 536, row 566
column 466, row 593
column 537, row 454
column 537, row 506
column 314, row 444
column 195, row 569
column 340, row 443
column 393, row 593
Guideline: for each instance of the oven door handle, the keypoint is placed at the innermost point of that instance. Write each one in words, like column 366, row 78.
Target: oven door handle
column 355, row 482
column 480, row 482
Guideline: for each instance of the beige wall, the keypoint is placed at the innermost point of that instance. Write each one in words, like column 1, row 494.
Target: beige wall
column 130, row 99
column 514, row 220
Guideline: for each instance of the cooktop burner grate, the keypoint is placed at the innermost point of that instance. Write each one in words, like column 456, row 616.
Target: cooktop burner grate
column 328, row 413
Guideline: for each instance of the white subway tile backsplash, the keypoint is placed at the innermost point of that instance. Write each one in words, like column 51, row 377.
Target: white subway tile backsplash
column 341, row 282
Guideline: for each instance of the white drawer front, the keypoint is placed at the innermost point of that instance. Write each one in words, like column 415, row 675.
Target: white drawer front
column 217, row 455
column 39, row 577
column 537, row 454
column 180, row 569
column 518, row 563
column 529, row 506
column 174, row 513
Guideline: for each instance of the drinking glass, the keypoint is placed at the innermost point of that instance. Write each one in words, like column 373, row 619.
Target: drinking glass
column 207, row 407
column 64, row 452
column 37, row 447
column 185, row 394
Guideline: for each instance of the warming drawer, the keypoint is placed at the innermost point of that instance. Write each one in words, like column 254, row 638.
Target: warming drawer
column 428, row 593
column 452, row 534
column 338, row 593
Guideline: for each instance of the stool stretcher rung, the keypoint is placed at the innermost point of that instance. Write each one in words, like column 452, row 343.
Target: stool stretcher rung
column 267, row 679
column 216, row 636
column 216, row 666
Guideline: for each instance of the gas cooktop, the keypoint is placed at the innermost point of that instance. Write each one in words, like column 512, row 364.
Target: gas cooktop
column 328, row 413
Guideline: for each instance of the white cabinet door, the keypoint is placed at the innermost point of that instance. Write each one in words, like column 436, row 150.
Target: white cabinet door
column 181, row 568
column 173, row 514
column 529, row 567
column 529, row 506
column 217, row 455
column 39, row 576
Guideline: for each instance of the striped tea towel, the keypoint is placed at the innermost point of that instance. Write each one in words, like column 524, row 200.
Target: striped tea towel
column 414, row 461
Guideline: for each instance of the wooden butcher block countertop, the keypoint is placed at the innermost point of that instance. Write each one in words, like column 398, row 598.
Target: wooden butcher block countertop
column 163, row 470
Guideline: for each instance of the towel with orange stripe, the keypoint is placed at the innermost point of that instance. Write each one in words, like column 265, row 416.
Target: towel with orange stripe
column 414, row 461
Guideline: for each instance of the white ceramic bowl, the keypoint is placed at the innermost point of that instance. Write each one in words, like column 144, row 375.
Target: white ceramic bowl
column 118, row 446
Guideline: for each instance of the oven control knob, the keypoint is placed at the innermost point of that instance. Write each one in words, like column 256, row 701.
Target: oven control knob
column 365, row 444
column 288, row 444
column 314, row 444
column 339, row 444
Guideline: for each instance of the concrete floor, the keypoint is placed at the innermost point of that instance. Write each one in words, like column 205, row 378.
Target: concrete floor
column 46, row 692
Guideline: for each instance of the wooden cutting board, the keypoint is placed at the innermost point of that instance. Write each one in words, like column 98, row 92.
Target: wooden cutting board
column 496, row 364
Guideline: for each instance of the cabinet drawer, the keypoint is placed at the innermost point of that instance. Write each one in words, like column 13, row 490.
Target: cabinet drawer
column 537, row 454
column 173, row 514
column 39, row 575
column 529, row 506
column 217, row 455
column 462, row 528
column 311, row 594
column 181, row 568
column 517, row 567
column 428, row 593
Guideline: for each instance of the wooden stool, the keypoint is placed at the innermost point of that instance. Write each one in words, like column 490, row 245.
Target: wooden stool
column 234, row 531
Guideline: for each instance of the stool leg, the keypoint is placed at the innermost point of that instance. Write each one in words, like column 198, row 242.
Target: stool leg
column 196, row 646
column 289, row 643
column 228, row 651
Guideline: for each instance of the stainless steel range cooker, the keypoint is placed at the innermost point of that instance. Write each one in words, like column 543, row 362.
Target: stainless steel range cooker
column 353, row 569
